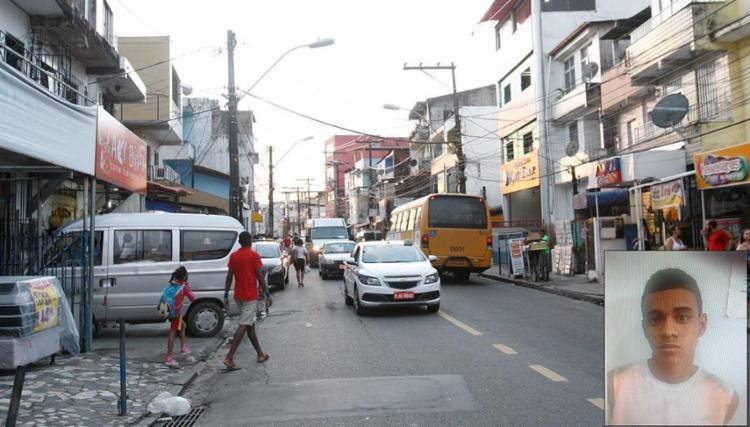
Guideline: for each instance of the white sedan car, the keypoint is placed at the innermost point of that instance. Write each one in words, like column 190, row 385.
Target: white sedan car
column 390, row 274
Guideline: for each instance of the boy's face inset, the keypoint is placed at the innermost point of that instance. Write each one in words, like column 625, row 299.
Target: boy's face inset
column 673, row 325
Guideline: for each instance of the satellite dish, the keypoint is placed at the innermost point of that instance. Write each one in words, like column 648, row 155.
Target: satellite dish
column 413, row 163
column 590, row 70
column 187, row 90
column 571, row 149
column 670, row 110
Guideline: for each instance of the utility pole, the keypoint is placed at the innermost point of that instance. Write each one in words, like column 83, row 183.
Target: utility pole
column 299, row 216
column 335, row 164
column 269, row 229
column 235, row 198
column 309, row 209
column 545, row 167
column 461, row 160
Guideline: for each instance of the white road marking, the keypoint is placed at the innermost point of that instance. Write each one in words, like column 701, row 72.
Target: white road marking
column 598, row 402
column 505, row 349
column 459, row 323
column 550, row 374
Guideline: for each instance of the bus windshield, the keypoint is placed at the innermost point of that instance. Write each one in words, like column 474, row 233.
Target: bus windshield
column 329, row 233
column 457, row 212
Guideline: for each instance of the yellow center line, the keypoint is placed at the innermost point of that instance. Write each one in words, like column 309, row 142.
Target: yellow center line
column 459, row 323
column 598, row 402
column 549, row 373
column 505, row 349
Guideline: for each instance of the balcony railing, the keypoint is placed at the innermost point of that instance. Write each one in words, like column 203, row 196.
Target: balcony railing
column 37, row 68
column 662, row 16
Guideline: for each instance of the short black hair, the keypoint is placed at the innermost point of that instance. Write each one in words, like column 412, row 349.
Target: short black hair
column 672, row 278
column 713, row 224
column 180, row 274
column 246, row 239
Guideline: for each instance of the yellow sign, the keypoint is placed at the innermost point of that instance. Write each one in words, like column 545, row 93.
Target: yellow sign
column 723, row 168
column 667, row 195
column 520, row 174
column 256, row 217
column 46, row 302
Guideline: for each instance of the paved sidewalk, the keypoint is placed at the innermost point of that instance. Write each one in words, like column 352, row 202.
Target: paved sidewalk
column 575, row 287
column 84, row 391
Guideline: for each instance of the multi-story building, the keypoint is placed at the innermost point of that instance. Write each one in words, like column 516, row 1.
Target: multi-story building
column 522, row 54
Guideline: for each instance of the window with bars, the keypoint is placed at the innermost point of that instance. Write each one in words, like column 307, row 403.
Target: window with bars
column 708, row 92
column 570, row 73
column 509, row 155
column 673, row 86
column 573, row 132
column 525, row 79
column 528, row 143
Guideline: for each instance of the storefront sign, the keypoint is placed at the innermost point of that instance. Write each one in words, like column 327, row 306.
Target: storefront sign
column 608, row 172
column 520, row 173
column 516, row 256
column 722, row 168
column 667, row 195
column 120, row 154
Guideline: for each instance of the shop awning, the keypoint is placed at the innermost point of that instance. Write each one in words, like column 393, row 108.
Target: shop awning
column 157, row 189
column 606, row 198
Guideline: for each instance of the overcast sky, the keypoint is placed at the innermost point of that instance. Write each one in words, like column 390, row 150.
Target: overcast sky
column 346, row 83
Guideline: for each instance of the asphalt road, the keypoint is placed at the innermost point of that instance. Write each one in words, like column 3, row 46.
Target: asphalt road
column 496, row 354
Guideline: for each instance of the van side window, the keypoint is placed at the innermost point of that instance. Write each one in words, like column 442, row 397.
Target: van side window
column 418, row 221
column 70, row 243
column 198, row 245
column 142, row 245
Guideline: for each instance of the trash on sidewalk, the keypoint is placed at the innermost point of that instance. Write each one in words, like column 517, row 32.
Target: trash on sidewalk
column 171, row 405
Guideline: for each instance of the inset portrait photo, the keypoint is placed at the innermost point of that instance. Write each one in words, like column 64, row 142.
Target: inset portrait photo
column 675, row 344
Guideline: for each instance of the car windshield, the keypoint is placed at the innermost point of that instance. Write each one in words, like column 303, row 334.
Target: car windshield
column 267, row 251
column 391, row 254
column 329, row 233
column 338, row 248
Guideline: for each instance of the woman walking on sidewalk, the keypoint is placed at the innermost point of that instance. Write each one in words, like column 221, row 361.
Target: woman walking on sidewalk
column 299, row 255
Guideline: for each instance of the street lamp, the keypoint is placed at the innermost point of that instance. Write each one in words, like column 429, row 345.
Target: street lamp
column 314, row 45
column 290, row 148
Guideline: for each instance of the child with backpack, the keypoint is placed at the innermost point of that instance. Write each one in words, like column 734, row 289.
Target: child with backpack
column 170, row 306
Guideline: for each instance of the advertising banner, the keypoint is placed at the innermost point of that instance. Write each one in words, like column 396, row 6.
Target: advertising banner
column 46, row 302
column 607, row 172
column 723, row 168
column 667, row 195
column 516, row 256
column 120, row 154
column 520, row 174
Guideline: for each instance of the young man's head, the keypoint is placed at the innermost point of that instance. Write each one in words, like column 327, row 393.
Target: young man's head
column 673, row 318
column 245, row 239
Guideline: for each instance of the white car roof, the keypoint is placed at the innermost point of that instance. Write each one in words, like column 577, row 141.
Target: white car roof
column 336, row 242
column 161, row 220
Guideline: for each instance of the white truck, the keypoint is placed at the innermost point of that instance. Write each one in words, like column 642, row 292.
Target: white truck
column 318, row 231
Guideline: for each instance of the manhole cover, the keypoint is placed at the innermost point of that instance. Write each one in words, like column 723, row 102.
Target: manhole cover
column 186, row 420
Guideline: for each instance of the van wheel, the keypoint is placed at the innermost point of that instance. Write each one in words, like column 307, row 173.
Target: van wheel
column 205, row 319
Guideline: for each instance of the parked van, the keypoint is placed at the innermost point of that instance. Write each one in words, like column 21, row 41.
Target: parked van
column 136, row 254
column 318, row 231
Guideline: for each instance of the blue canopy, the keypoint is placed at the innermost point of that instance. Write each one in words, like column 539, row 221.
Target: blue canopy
column 606, row 198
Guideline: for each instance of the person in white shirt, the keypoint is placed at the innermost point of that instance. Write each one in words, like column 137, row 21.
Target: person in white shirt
column 668, row 388
column 300, row 260
column 674, row 243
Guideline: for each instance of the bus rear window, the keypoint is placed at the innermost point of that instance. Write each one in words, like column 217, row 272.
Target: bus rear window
column 457, row 212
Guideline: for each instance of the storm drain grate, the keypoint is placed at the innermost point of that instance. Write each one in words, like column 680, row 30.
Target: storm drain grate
column 187, row 420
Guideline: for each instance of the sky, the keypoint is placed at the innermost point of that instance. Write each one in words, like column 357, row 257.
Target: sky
column 346, row 83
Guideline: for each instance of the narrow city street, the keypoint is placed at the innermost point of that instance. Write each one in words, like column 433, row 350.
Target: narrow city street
column 495, row 354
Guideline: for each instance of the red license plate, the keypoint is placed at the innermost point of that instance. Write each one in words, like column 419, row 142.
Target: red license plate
column 398, row 296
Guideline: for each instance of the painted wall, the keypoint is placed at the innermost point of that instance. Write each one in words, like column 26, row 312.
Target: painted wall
column 216, row 185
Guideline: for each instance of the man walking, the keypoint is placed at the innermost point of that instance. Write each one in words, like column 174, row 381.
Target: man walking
column 245, row 267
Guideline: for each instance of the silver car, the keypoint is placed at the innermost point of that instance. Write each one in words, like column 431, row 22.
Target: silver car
column 332, row 257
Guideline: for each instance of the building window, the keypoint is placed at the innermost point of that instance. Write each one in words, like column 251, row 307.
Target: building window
column 573, row 132
column 498, row 43
column 528, row 143
column 525, row 79
column 708, row 91
column 631, row 133
column 570, row 73
column 506, row 94
column 109, row 29
column 673, row 86
column 13, row 52
column 509, row 151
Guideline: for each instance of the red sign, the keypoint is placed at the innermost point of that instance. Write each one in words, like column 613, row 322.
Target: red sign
column 120, row 154
column 608, row 172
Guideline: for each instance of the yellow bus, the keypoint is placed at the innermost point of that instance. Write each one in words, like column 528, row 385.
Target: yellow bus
column 456, row 228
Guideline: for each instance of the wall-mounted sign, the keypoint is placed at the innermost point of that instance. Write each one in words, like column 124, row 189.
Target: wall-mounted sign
column 607, row 172
column 120, row 154
column 667, row 195
column 520, row 174
column 722, row 168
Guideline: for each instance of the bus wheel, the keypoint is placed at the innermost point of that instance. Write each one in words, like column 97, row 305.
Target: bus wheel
column 461, row 276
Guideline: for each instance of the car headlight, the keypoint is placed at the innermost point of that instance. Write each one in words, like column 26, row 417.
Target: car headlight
column 432, row 278
column 368, row 280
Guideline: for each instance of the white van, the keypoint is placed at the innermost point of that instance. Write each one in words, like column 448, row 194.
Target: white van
column 321, row 230
column 136, row 254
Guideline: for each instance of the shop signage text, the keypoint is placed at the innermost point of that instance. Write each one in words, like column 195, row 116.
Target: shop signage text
column 120, row 154
column 667, row 195
column 721, row 168
column 608, row 172
column 520, row 174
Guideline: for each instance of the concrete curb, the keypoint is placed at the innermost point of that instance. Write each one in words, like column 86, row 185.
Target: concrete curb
column 594, row 299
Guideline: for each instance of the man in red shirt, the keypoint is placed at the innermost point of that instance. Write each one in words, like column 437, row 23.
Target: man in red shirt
column 715, row 238
column 245, row 267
